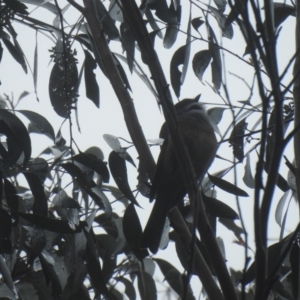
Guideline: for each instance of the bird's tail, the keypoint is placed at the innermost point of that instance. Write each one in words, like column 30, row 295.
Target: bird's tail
column 153, row 231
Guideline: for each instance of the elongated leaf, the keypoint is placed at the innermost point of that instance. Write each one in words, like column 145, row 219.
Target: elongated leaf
column 146, row 286
column 128, row 43
column 91, row 85
column 133, row 232
column 218, row 208
column 175, row 73
column 200, row 62
column 129, row 287
column 279, row 208
column 40, row 206
column 16, row 53
column 96, row 165
column 221, row 4
column 196, row 23
column 248, row 177
column 152, row 22
column 50, row 224
column 227, row 186
column 20, row 132
column 173, row 277
column 40, row 122
column 5, row 225
column 93, row 266
column 35, row 64
column 118, row 170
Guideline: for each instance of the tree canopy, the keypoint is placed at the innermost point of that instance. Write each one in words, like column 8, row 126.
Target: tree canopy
column 72, row 217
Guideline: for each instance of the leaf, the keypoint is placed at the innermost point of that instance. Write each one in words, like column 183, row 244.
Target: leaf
column 122, row 72
column 152, row 22
column 128, row 43
column 118, row 170
column 35, row 65
column 15, row 52
column 133, row 232
column 227, row 186
column 39, row 122
column 229, row 224
column 236, row 139
column 216, row 65
column 91, row 85
column 113, row 142
column 129, row 287
column 227, row 31
column 171, row 35
column 146, row 286
column 93, row 266
column 221, row 4
column 280, row 207
column 294, row 261
column 196, row 23
column 50, row 224
column 248, row 177
column 17, row 6
column 282, row 11
column 40, row 206
column 19, row 131
column 95, row 164
column 216, row 114
column 200, row 62
column 7, row 278
column 108, row 24
column 175, row 73
column 51, row 276
column 115, row 11
column 219, row 209
column 5, row 225
column 173, row 277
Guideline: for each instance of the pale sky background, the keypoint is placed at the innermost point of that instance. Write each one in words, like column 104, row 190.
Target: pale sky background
column 109, row 118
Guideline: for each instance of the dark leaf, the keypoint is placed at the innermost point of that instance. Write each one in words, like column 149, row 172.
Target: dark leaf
column 108, row 224
column 280, row 181
column 173, row 277
column 236, row 139
column 200, row 62
column 196, row 23
column 40, row 122
column 59, row 140
column 91, row 85
column 175, row 73
column 217, row 208
column 128, row 43
column 282, row 11
column 227, row 31
column 133, row 232
column 40, row 206
column 122, row 72
column 17, row 6
column 171, row 35
column 216, row 65
column 19, row 131
column 83, row 39
column 147, row 287
column 62, row 88
column 54, row 225
column 294, row 261
column 93, row 266
column 129, row 287
column 163, row 12
column 227, row 186
column 95, row 164
column 39, row 167
column 187, row 52
column 35, row 65
column 106, row 247
column 108, row 24
column 51, row 276
column 118, row 170
column 5, row 225
column 143, row 179
column 16, row 53
column 1, row 52
column 11, row 198
column 229, row 224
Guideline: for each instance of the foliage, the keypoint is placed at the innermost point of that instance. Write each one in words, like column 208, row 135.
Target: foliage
column 50, row 243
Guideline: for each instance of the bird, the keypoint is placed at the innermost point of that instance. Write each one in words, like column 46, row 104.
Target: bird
column 168, row 188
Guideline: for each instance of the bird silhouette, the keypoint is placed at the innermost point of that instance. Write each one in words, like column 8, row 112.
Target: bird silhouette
column 168, row 186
